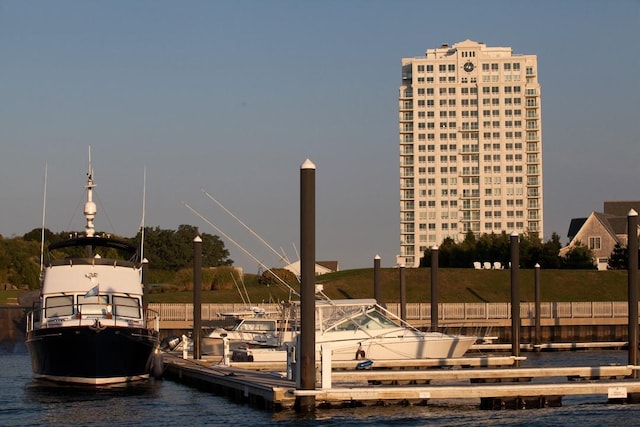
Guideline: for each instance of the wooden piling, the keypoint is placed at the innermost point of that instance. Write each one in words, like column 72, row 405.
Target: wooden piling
column 403, row 293
column 377, row 294
column 515, row 295
column 434, row 288
column 197, row 296
column 306, row 403
column 632, row 277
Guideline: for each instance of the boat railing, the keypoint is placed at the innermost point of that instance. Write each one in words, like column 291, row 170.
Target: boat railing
column 87, row 314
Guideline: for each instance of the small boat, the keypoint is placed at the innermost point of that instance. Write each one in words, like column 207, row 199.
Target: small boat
column 261, row 332
column 360, row 329
column 90, row 326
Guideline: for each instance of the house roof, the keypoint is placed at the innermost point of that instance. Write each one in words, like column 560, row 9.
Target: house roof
column 575, row 226
column 615, row 225
column 621, row 208
column 331, row 265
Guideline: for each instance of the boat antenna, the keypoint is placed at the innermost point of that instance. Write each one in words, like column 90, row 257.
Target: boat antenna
column 242, row 249
column 90, row 206
column 44, row 208
column 144, row 200
column 278, row 254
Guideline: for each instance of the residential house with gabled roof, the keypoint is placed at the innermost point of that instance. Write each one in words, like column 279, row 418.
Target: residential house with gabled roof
column 601, row 231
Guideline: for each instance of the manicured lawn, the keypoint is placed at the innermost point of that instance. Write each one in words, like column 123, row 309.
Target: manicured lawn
column 456, row 285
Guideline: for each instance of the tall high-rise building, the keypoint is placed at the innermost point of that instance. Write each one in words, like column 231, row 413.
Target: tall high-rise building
column 470, row 146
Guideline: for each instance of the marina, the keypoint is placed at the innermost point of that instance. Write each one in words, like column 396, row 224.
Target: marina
column 171, row 403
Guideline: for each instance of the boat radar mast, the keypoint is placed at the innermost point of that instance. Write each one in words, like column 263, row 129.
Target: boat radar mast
column 90, row 206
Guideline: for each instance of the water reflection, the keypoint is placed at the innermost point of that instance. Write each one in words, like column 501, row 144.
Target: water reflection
column 74, row 405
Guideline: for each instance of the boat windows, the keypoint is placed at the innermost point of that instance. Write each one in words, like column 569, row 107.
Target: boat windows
column 126, row 306
column 382, row 320
column 58, row 306
column 94, row 304
column 257, row 326
column 369, row 320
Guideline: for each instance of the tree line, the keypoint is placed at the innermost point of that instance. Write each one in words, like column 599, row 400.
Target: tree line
column 166, row 250
column 497, row 248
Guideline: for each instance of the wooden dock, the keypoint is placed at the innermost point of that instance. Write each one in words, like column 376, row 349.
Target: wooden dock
column 558, row 346
column 493, row 380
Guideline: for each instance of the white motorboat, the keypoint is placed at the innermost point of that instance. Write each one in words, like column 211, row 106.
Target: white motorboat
column 361, row 329
column 91, row 327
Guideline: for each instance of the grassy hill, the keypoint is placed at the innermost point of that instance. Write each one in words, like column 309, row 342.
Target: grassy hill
column 456, row 285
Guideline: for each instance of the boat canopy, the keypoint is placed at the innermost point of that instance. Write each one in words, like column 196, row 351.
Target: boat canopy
column 125, row 250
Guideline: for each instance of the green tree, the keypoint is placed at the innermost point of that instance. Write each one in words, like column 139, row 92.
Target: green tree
column 280, row 277
column 619, row 258
column 21, row 262
column 173, row 250
column 580, row 257
column 551, row 253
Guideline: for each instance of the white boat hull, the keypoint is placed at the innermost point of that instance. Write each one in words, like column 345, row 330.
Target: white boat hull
column 388, row 347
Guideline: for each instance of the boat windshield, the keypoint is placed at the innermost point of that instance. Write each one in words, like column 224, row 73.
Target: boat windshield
column 58, row 306
column 127, row 306
column 94, row 304
column 364, row 318
column 256, row 326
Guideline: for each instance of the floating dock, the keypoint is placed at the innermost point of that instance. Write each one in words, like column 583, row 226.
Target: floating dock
column 496, row 382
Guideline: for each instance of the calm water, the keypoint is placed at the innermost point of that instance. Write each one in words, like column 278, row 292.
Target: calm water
column 24, row 402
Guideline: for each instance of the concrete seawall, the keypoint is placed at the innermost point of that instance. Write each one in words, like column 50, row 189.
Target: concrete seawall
column 12, row 328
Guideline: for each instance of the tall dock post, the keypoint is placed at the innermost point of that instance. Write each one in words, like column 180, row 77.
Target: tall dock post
column 307, row 356
column 377, row 294
column 632, row 278
column 515, row 297
column 538, row 326
column 434, row 288
column 403, row 294
column 197, row 296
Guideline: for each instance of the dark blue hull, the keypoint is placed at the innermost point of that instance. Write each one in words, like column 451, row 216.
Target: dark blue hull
column 94, row 356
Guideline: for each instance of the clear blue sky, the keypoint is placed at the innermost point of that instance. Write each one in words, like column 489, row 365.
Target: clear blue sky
column 233, row 96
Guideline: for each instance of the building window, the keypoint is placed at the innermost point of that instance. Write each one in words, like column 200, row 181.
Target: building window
column 594, row 242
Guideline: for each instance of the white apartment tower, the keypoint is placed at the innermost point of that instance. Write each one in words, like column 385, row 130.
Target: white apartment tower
column 470, row 146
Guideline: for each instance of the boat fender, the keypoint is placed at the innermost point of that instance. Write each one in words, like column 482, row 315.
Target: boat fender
column 364, row 365
column 157, row 364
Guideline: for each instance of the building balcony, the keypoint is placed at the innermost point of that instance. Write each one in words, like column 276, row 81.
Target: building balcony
column 406, row 106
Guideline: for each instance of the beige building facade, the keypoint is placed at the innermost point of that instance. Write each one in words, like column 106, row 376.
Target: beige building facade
column 470, row 146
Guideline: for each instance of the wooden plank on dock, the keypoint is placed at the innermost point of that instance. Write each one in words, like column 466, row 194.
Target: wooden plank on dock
column 469, row 391
column 246, row 385
column 593, row 372
column 462, row 362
